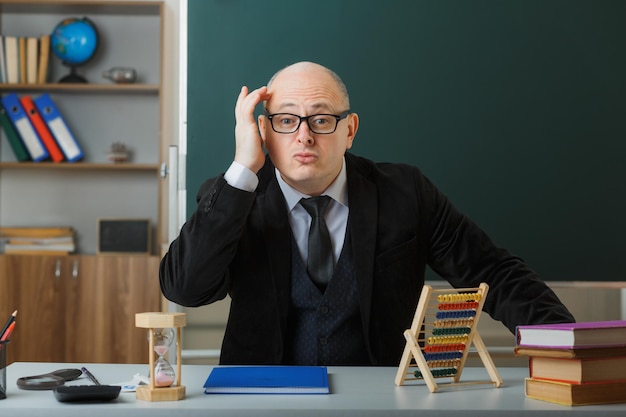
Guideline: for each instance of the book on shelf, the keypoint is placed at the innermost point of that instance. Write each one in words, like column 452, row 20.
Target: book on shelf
column 21, row 41
column 59, row 128
column 38, row 252
column 12, row 59
column 572, row 335
column 576, row 394
column 32, row 56
column 44, row 59
column 51, row 248
column 24, row 59
column 3, row 65
column 267, row 380
column 578, row 371
column 18, row 147
column 35, row 232
column 34, row 240
column 37, row 240
column 41, row 127
column 20, row 120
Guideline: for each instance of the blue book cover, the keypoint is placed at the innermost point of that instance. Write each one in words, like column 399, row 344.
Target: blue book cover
column 24, row 127
column 59, row 128
column 267, row 380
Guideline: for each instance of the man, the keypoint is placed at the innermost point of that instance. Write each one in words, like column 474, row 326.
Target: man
column 249, row 239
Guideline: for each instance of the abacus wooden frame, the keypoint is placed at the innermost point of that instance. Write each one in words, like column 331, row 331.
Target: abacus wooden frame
column 413, row 356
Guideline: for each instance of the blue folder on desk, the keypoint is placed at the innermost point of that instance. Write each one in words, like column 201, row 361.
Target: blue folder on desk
column 267, row 380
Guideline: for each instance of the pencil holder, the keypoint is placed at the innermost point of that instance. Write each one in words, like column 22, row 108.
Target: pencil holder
column 3, row 369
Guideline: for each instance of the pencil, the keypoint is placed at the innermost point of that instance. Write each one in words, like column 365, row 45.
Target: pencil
column 7, row 334
column 8, row 323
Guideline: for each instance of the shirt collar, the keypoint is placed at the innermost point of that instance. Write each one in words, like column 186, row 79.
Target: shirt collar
column 337, row 190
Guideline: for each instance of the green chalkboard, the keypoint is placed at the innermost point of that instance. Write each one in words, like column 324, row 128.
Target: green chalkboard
column 516, row 109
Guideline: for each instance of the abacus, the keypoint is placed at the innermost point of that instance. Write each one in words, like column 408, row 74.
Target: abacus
column 438, row 342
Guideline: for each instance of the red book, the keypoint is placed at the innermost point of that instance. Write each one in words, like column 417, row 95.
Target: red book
column 573, row 335
column 42, row 129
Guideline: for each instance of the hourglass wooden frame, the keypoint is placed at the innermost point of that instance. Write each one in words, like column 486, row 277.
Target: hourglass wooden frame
column 443, row 329
column 153, row 321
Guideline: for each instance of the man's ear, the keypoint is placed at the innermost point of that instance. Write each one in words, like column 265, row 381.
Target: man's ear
column 353, row 126
column 262, row 122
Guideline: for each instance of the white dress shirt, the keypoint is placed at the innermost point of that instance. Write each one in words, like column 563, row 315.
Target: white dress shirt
column 336, row 216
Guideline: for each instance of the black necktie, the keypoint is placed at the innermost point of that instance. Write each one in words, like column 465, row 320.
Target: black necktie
column 320, row 263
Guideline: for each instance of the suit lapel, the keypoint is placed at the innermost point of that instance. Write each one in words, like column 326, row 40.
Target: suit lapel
column 277, row 236
column 362, row 199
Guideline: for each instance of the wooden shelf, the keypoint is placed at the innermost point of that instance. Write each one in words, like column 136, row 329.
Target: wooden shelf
column 92, row 166
column 86, row 88
column 78, row 7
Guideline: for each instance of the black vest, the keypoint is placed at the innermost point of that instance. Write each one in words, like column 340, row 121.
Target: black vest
column 325, row 328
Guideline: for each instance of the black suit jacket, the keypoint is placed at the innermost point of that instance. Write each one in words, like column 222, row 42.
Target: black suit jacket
column 239, row 243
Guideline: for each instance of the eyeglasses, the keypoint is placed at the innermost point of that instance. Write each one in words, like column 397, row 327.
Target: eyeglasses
column 322, row 124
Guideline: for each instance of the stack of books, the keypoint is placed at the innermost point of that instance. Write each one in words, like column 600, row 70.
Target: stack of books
column 24, row 59
column 37, row 240
column 575, row 363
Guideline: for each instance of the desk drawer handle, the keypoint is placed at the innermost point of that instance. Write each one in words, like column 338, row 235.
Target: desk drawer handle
column 57, row 269
column 75, row 269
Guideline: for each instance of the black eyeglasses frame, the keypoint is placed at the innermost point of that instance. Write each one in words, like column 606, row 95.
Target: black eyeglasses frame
column 339, row 117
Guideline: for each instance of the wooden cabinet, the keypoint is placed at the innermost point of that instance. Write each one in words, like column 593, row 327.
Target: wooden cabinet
column 78, row 308
column 31, row 287
column 102, row 312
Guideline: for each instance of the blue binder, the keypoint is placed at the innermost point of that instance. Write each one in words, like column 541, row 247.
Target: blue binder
column 27, row 132
column 269, row 379
column 59, row 128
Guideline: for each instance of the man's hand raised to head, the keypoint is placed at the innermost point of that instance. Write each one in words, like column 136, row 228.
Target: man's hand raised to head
column 248, row 143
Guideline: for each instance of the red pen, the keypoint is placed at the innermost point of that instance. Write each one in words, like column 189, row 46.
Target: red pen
column 8, row 323
column 6, row 334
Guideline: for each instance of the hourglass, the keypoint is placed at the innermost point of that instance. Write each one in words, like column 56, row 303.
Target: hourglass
column 163, row 373
column 164, row 381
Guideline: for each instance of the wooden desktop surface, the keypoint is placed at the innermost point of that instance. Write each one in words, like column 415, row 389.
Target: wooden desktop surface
column 355, row 391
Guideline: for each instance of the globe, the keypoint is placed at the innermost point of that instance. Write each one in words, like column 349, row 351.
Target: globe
column 74, row 41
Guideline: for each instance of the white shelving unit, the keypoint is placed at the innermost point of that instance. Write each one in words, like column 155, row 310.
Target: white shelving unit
column 99, row 113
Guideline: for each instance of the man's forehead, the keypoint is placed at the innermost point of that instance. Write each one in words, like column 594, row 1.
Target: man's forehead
column 291, row 105
column 308, row 85
column 311, row 94
column 303, row 75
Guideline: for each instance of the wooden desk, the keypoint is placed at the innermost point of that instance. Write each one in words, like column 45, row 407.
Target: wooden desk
column 355, row 391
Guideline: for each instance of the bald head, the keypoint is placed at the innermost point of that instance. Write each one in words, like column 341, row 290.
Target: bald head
column 311, row 68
